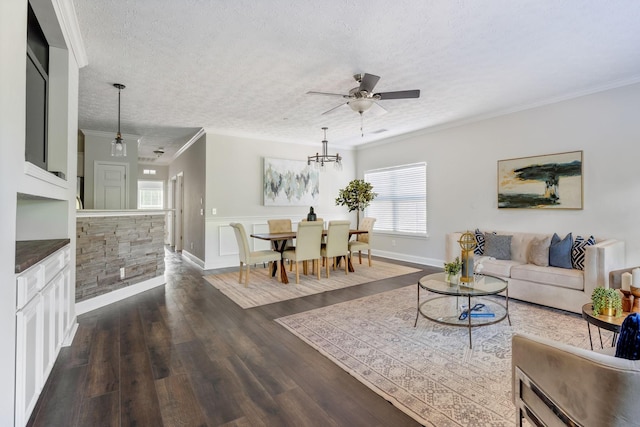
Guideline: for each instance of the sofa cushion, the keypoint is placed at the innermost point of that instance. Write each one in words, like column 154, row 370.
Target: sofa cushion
column 496, row 267
column 539, row 251
column 554, row 276
column 578, row 249
column 560, row 251
column 479, row 249
column 497, row 246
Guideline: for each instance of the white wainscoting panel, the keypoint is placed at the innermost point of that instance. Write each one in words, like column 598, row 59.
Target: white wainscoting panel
column 227, row 243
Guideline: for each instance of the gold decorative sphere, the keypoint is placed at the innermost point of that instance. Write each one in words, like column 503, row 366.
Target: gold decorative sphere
column 467, row 241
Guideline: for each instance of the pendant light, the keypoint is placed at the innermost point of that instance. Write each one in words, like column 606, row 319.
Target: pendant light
column 118, row 145
column 321, row 159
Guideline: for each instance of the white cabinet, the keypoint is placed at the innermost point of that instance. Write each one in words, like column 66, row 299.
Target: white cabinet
column 42, row 321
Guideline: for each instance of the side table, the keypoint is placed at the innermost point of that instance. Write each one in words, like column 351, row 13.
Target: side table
column 608, row 323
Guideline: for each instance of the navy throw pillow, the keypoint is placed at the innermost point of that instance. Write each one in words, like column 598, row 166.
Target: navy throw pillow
column 560, row 251
column 629, row 339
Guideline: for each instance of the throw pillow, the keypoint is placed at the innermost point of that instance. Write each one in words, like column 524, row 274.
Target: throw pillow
column 539, row 251
column 578, row 250
column 479, row 250
column 497, row 246
column 560, row 251
column 628, row 346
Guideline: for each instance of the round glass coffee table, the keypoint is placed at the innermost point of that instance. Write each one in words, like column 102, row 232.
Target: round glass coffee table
column 451, row 307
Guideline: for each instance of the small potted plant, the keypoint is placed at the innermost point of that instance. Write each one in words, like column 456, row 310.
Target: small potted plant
column 606, row 301
column 452, row 269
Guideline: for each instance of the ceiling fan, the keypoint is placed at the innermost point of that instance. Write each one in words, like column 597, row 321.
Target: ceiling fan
column 362, row 98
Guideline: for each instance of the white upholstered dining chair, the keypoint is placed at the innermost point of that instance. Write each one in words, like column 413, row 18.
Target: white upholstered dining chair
column 337, row 244
column 363, row 241
column 308, row 238
column 247, row 257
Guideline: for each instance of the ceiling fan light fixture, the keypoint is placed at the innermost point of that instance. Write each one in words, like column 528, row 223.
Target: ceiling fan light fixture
column 320, row 160
column 360, row 105
column 119, row 145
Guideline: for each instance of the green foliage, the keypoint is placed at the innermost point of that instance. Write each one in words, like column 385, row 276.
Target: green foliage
column 356, row 196
column 453, row 267
column 603, row 298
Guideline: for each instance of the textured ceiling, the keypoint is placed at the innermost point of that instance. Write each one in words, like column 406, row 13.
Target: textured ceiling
column 243, row 67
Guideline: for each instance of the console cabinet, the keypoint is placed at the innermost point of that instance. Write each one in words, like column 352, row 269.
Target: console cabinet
column 43, row 317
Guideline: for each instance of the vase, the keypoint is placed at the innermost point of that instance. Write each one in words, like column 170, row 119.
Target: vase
column 452, row 278
column 608, row 311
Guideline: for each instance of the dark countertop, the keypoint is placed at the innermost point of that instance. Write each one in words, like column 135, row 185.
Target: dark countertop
column 30, row 252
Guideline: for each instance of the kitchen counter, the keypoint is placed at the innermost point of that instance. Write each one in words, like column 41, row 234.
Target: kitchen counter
column 30, row 252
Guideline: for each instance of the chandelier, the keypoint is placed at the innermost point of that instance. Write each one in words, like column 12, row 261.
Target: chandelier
column 118, row 145
column 320, row 159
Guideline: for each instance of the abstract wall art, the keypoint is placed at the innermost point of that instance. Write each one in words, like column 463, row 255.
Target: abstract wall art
column 290, row 183
column 552, row 181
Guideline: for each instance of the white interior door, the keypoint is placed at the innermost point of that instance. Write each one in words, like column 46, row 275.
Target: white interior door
column 179, row 211
column 110, row 186
column 171, row 220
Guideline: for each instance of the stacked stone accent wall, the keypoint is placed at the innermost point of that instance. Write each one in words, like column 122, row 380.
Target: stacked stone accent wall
column 106, row 244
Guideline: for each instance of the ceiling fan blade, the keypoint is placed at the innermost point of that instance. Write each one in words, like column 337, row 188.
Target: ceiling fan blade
column 334, row 108
column 401, row 94
column 376, row 110
column 311, row 92
column 368, row 82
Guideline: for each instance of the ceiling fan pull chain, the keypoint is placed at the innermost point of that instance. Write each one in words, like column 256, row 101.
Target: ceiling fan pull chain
column 361, row 124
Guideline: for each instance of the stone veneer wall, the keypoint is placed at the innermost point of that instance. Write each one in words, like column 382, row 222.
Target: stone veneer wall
column 105, row 244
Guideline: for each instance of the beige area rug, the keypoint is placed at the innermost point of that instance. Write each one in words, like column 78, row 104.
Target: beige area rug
column 429, row 372
column 264, row 289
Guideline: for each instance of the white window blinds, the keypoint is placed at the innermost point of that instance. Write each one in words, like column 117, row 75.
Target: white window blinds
column 401, row 204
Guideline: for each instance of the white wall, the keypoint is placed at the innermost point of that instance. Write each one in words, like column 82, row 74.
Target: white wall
column 462, row 169
column 234, row 189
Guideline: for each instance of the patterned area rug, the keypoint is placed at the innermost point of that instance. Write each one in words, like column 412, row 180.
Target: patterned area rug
column 429, row 372
column 264, row 289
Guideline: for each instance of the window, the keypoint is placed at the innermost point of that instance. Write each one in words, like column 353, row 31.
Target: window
column 149, row 171
column 401, row 204
column 150, row 194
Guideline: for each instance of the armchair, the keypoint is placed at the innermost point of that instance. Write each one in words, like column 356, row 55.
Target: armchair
column 556, row 384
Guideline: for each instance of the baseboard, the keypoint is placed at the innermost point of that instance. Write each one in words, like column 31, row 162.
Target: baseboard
column 71, row 334
column 408, row 258
column 118, row 295
column 193, row 259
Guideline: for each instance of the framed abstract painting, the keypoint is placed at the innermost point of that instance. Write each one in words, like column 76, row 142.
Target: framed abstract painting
column 290, row 183
column 552, row 181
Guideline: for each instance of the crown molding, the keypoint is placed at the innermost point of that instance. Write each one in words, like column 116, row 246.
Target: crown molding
column 111, row 135
column 189, row 143
column 68, row 19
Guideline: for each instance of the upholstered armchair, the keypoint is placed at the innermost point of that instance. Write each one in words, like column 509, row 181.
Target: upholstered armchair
column 337, row 244
column 247, row 257
column 363, row 241
column 555, row 384
column 308, row 238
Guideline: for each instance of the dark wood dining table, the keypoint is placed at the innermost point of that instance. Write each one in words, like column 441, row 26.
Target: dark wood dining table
column 279, row 241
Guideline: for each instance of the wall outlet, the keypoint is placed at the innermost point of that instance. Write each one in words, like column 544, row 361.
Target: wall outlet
column 191, row 245
column 122, row 272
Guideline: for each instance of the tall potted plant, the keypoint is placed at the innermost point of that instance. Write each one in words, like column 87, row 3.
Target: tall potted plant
column 356, row 196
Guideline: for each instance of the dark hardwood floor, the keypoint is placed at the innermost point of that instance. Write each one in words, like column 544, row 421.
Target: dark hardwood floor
column 183, row 354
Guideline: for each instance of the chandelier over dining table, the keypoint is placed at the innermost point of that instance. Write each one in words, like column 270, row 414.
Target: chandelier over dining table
column 321, row 159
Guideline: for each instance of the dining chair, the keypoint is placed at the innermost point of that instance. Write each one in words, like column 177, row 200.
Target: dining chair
column 337, row 244
column 308, row 238
column 282, row 226
column 363, row 241
column 247, row 256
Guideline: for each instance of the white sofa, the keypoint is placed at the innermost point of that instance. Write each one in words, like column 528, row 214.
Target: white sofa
column 566, row 289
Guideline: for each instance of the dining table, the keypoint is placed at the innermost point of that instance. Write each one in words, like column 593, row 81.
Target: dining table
column 279, row 242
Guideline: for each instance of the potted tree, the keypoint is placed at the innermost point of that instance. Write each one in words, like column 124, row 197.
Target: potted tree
column 606, row 301
column 356, row 196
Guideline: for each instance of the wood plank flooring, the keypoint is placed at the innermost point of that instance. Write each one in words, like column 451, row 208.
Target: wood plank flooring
column 183, row 354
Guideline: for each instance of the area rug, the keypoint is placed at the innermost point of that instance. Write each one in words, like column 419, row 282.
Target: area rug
column 429, row 372
column 264, row 289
